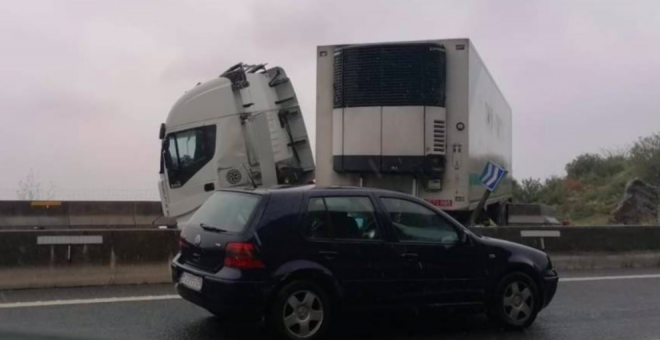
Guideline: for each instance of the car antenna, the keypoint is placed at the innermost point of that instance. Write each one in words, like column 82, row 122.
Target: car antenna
column 249, row 174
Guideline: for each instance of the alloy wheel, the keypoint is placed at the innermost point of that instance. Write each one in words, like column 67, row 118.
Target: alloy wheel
column 303, row 314
column 518, row 302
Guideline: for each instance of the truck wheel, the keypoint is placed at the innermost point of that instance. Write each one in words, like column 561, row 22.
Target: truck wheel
column 301, row 310
column 516, row 302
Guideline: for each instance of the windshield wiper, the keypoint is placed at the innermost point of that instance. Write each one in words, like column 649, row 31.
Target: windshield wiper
column 212, row 228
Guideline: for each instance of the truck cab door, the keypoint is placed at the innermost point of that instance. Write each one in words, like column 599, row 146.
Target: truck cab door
column 189, row 172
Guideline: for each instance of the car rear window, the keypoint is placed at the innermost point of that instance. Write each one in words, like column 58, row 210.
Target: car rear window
column 229, row 211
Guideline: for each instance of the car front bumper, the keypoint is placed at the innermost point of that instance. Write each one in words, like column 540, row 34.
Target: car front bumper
column 550, row 282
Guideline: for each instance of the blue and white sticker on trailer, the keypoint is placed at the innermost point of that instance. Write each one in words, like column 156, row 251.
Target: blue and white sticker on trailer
column 492, row 176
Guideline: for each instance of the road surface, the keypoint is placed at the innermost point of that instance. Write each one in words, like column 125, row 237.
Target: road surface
column 588, row 305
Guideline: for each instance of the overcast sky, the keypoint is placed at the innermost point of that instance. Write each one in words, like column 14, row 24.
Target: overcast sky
column 85, row 84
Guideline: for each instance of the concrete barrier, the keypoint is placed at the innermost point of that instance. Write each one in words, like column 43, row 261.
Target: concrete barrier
column 586, row 248
column 149, row 213
column 59, row 258
column 600, row 260
column 531, row 214
column 607, row 239
column 80, row 214
column 27, row 214
column 101, row 213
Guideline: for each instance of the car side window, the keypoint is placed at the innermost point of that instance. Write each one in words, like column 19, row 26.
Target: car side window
column 415, row 222
column 316, row 221
column 349, row 218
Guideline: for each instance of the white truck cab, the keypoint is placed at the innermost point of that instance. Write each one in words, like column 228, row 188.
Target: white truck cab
column 244, row 128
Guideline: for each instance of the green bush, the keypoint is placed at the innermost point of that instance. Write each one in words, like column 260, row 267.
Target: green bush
column 645, row 159
column 583, row 165
column 594, row 183
column 528, row 191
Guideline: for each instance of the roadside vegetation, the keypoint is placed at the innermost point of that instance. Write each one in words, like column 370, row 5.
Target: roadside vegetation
column 594, row 182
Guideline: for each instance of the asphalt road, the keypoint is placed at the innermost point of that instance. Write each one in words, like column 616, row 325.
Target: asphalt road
column 591, row 309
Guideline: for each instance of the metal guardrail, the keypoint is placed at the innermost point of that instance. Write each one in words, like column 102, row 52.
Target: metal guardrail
column 70, row 239
column 540, row 234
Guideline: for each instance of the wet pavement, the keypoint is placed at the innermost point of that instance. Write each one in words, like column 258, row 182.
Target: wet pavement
column 594, row 309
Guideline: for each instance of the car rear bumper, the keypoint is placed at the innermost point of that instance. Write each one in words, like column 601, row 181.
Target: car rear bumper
column 550, row 282
column 221, row 296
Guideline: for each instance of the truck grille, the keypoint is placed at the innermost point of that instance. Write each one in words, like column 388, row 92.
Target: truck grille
column 390, row 75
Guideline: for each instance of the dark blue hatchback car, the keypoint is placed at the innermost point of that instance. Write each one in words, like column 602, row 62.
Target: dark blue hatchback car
column 298, row 255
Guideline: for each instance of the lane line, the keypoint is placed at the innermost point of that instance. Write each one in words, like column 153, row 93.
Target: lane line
column 87, row 301
column 603, row 278
column 176, row 297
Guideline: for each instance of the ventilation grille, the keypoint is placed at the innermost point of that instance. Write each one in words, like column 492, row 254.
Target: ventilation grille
column 390, row 75
column 439, row 136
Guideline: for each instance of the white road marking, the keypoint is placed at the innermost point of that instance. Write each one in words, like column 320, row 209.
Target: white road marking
column 175, row 297
column 618, row 277
column 87, row 301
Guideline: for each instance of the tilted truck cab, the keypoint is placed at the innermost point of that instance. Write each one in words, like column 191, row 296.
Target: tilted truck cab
column 244, row 128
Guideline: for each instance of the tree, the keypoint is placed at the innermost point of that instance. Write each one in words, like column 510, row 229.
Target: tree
column 645, row 158
column 528, row 191
column 609, row 163
column 553, row 191
column 583, row 164
column 30, row 188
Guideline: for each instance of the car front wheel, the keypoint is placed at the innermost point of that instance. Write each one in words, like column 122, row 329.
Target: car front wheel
column 301, row 310
column 516, row 303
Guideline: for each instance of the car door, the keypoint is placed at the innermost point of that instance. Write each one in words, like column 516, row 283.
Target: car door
column 345, row 234
column 451, row 267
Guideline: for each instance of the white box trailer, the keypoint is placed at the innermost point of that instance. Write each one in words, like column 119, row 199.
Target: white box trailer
column 419, row 117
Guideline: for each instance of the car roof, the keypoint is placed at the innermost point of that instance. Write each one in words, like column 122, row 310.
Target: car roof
column 309, row 187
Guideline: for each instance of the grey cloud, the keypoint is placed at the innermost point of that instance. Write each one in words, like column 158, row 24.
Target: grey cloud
column 90, row 81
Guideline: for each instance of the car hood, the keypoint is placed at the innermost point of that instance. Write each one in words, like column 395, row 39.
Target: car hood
column 538, row 257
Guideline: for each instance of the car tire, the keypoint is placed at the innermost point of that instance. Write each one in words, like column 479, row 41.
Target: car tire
column 300, row 310
column 516, row 301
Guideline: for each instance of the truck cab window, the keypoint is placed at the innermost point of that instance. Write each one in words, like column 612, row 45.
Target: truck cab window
column 186, row 144
column 186, row 152
column 173, row 163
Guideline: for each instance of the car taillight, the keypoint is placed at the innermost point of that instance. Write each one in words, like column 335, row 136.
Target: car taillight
column 242, row 255
column 182, row 242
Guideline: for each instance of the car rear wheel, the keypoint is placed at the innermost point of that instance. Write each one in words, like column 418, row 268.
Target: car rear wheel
column 516, row 301
column 301, row 310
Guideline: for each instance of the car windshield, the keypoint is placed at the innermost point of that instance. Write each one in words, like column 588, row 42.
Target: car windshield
column 226, row 211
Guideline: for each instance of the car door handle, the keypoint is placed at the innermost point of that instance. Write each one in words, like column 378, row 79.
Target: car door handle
column 209, row 186
column 328, row 254
column 410, row 256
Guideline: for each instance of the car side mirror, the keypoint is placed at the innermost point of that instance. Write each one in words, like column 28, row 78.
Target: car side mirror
column 161, row 132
